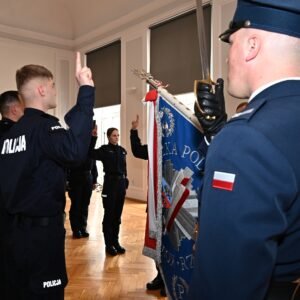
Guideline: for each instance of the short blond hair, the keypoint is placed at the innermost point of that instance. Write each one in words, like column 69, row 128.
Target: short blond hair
column 29, row 72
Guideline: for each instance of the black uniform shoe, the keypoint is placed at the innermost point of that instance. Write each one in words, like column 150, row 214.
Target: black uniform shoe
column 120, row 249
column 156, row 284
column 77, row 234
column 84, row 234
column 111, row 250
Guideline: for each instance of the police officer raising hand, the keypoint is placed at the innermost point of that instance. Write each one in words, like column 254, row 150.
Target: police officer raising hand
column 83, row 74
column 39, row 150
column 135, row 123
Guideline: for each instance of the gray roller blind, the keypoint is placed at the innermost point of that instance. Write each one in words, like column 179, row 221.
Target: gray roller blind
column 174, row 51
column 105, row 64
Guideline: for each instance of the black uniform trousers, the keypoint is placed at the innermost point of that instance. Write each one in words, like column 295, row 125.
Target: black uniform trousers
column 34, row 261
column 113, row 196
column 81, row 187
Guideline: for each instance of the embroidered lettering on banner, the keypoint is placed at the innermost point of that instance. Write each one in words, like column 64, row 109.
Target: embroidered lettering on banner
column 15, row 145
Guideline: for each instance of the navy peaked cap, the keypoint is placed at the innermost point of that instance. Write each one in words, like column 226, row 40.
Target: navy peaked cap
column 281, row 16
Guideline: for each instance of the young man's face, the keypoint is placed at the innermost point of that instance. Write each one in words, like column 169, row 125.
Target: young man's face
column 114, row 137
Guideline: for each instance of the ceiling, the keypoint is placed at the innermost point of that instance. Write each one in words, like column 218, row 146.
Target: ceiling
column 71, row 22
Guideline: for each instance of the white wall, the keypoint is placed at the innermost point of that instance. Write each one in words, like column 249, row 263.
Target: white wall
column 15, row 54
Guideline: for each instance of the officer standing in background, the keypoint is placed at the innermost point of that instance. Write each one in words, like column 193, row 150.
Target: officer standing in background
column 248, row 245
column 82, row 180
column 113, row 158
column 11, row 109
column 34, row 155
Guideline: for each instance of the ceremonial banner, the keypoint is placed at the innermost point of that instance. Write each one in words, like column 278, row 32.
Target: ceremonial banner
column 183, row 151
column 176, row 160
column 177, row 150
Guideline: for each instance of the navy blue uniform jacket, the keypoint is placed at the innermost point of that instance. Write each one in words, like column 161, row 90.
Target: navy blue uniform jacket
column 113, row 158
column 5, row 125
column 34, row 155
column 249, row 231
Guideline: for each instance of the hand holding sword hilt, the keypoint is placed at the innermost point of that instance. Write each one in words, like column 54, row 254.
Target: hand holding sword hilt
column 210, row 106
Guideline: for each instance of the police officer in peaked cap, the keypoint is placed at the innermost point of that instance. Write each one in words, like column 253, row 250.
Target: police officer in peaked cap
column 33, row 157
column 248, row 246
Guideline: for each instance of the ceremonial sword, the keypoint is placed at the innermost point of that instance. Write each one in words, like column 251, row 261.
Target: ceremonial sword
column 204, row 55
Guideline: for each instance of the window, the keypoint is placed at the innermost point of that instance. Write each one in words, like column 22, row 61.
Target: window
column 174, row 51
column 105, row 64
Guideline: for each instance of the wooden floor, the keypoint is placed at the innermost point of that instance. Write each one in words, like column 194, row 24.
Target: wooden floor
column 93, row 275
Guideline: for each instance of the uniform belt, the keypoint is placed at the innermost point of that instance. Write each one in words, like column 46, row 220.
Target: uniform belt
column 39, row 221
column 284, row 291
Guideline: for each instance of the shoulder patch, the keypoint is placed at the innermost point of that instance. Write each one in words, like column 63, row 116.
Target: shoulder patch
column 223, row 180
column 56, row 127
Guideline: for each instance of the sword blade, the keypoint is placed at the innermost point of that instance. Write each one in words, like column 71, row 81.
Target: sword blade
column 204, row 56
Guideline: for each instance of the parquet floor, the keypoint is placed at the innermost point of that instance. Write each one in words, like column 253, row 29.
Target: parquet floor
column 95, row 276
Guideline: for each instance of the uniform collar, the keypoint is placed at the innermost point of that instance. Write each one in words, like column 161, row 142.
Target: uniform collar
column 113, row 145
column 264, row 87
column 33, row 111
column 7, row 121
column 276, row 89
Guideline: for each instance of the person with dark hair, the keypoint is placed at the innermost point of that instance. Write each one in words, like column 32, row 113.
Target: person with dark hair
column 113, row 158
column 82, row 181
column 11, row 109
column 34, row 155
column 248, row 245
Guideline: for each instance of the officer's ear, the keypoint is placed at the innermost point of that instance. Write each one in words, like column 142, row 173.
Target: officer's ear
column 13, row 109
column 253, row 47
column 41, row 90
